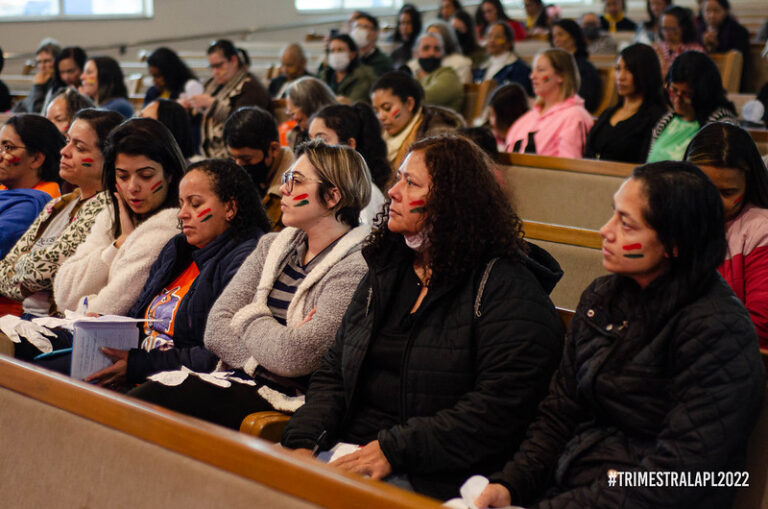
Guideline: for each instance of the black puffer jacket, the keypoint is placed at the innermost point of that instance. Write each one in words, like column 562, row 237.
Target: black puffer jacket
column 681, row 398
column 470, row 384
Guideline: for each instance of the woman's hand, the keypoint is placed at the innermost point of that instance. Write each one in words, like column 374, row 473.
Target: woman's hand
column 201, row 101
column 709, row 39
column 114, row 374
column 368, row 460
column 126, row 223
column 494, row 495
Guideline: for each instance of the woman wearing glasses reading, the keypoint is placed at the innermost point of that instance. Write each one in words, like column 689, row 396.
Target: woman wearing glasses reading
column 697, row 98
column 274, row 322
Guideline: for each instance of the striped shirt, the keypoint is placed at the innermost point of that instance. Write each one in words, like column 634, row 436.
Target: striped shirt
column 289, row 280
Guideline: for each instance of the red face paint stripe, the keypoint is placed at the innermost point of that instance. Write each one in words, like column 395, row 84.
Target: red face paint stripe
column 630, row 247
column 301, row 197
column 88, row 160
column 738, row 200
column 417, row 203
column 396, row 114
column 158, row 184
column 15, row 160
column 201, row 214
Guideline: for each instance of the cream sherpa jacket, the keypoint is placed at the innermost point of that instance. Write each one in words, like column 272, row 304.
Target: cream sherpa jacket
column 112, row 278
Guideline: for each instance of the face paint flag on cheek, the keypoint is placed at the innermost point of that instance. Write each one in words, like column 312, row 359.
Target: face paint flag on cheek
column 157, row 187
column 419, row 207
column 633, row 247
column 15, row 160
column 738, row 200
column 302, row 199
column 206, row 213
column 396, row 114
column 88, row 162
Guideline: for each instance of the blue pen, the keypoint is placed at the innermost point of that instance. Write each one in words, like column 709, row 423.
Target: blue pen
column 49, row 354
column 85, row 305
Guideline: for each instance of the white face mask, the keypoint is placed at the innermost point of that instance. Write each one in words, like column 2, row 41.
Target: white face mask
column 360, row 36
column 338, row 61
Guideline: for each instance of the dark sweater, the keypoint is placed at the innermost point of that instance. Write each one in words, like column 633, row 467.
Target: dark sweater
column 629, row 140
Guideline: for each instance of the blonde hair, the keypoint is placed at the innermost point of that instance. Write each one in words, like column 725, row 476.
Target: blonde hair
column 565, row 66
column 345, row 169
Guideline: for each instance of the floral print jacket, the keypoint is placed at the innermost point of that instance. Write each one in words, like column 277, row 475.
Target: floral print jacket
column 24, row 271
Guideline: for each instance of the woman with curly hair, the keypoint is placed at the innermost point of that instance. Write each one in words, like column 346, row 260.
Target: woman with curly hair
column 450, row 340
column 221, row 219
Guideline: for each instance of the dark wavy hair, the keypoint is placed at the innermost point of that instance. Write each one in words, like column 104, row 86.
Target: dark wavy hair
column 684, row 18
column 415, row 15
column 39, row 135
column 574, row 30
column 686, row 212
column 460, row 238
column 76, row 53
column 725, row 145
column 642, row 62
column 149, row 138
column 359, row 122
column 173, row 116
column 174, row 71
column 701, row 74
column 231, row 182
column 402, row 85
column 110, row 79
column 480, row 21
column 101, row 121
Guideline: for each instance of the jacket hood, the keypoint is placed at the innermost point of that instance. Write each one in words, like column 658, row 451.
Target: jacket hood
column 543, row 266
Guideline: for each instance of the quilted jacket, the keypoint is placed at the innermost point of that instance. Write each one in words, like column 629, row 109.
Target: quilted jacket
column 478, row 361
column 681, row 398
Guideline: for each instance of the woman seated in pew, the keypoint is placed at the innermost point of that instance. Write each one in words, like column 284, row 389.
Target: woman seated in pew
column 103, row 82
column 450, row 340
column 62, row 108
column 142, row 168
column 558, row 123
column 623, row 132
column 305, row 97
column 357, row 127
column 280, row 313
column 222, row 220
column 344, row 72
column 566, row 34
column 721, row 33
column 729, row 157
column 661, row 370
column 677, row 34
column 464, row 26
column 170, row 76
column 453, row 56
column 697, row 97
column 29, row 173
column 67, row 70
column 503, row 65
column 490, row 12
column 648, row 31
column 27, row 271
column 230, row 87
column 398, row 102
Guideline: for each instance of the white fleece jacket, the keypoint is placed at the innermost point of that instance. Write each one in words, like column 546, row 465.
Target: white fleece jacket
column 112, row 278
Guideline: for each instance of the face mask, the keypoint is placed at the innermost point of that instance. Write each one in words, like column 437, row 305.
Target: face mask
column 430, row 64
column 258, row 171
column 338, row 61
column 591, row 32
column 360, row 36
column 417, row 242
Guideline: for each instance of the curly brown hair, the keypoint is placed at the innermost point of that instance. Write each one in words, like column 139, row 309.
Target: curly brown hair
column 468, row 218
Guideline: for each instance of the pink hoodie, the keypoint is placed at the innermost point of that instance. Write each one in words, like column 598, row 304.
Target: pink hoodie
column 560, row 132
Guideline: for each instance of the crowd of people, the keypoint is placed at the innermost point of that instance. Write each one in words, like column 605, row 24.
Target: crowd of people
column 361, row 268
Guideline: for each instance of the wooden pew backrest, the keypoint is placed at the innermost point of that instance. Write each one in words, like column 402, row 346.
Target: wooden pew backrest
column 67, row 444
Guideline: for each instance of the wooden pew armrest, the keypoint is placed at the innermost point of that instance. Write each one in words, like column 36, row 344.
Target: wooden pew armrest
column 266, row 425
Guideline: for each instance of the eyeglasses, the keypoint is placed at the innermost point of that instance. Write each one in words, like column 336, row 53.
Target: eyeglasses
column 7, row 148
column 217, row 65
column 290, row 178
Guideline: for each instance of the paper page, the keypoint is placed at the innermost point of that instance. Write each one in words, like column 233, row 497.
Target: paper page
column 93, row 333
column 337, row 451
